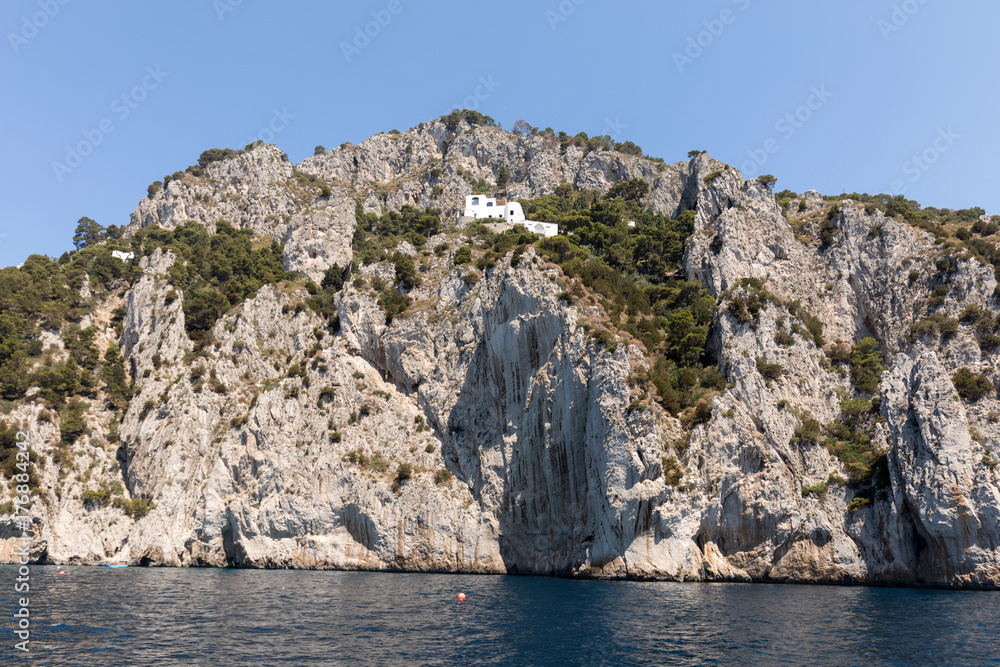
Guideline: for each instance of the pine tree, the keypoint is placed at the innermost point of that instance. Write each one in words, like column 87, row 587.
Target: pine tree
column 503, row 178
column 113, row 375
column 87, row 233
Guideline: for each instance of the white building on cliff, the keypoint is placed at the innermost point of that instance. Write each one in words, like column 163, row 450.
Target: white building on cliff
column 480, row 206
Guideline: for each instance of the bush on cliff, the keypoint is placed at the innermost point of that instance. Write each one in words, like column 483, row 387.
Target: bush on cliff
column 971, row 386
column 634, row 273
column 866, row 365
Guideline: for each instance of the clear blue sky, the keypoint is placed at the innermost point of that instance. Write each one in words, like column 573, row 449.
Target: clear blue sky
column 223, row 67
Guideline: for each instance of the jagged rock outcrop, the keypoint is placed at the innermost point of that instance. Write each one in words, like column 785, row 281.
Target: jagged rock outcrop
column 870, row 280
column 531, row 414
column 427, row 166
column 321, row 237
column 254, row 190
column 486, row 430
column 256, row 461
column 431, row 166
column 947, row 499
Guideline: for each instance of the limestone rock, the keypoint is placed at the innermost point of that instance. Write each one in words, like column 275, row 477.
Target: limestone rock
column 253, row 190
column 321, row 237
column 483, row 430
column 420, row 168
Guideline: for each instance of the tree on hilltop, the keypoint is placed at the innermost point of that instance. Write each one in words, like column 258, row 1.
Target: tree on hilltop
column 522, row 128
column 87, row 233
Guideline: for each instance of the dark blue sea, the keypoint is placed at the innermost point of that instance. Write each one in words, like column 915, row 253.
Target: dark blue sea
column 137, row 616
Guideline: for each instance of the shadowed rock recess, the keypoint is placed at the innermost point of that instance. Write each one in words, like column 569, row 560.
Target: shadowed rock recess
column 473, row 421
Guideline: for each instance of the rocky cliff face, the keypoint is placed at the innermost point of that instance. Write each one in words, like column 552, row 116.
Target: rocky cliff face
column 432, row 166
column 871, row 281
column 486, row 431
column 253, row 190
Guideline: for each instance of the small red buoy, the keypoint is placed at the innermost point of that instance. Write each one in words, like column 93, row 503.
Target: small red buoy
column 461, row 597
column 61, row 572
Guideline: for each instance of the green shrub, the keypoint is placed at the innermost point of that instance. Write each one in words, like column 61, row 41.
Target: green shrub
column 99, row 497
column 216, row 155
column 606, row 338
column 855, row 409
column 631, row 190
column 783, row 338
column 815, row 489
column 470, row 116
column 357, row 457
column 971, row 386
column 768, row 370
column 858, row 502
column 442, row 476
column 828, row 230
column 72, row 425
column 327, row 394
column 807, row 430
column 406, row 271
column 394, row 303
column 463, row 255
column 938, row 295
column 136, row 508
column 813, row 324
column 672, row 471
column 866, row 365
column 989, row 341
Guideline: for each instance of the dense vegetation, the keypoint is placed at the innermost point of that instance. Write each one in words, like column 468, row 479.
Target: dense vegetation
column 931, row 219
column 377, row 235
column 634, row 272
column 375, row 240
column 14, row 473
column 215, row 271
column 45, row 294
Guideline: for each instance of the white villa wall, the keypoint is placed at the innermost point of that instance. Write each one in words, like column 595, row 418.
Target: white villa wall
column 481, row 206
column 546, row 229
